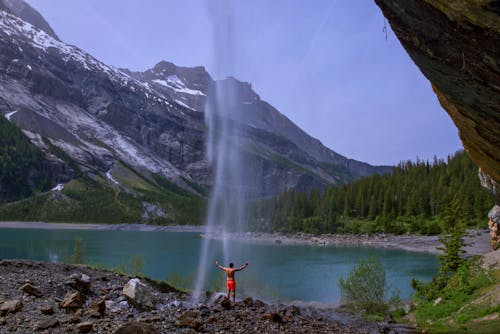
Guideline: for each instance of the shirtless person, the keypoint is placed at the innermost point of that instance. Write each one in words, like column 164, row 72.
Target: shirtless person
column 230, row 281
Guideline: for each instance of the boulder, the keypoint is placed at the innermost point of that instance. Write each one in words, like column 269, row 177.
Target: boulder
column 31, row 290
column 79, row 282
column 139, row 294
column 11, row 306
column 73, row 300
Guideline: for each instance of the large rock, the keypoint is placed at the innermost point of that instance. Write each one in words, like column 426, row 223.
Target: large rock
column 73, row 300
column 494, row 226
column 456, row 45
column 139, row 294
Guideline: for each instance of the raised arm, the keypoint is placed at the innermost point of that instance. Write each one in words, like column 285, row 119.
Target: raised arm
column 220, row 267
column 242, row 267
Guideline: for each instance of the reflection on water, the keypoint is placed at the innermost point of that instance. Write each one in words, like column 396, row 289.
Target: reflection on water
column 276, row 272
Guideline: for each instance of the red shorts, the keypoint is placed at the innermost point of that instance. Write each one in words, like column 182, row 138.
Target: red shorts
column 231, row 285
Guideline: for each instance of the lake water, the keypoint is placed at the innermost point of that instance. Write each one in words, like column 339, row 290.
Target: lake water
column 287, row 273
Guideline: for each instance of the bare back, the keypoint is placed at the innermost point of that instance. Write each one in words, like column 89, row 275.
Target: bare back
column 230, row 272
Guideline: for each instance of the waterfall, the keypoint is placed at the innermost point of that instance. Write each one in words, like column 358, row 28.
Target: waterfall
column 227, row 201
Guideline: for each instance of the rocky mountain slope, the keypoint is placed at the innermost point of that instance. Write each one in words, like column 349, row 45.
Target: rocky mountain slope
column 98, row 119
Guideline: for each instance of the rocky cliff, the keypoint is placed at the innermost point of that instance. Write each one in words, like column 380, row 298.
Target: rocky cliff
column 101, row 117
column 456, row 45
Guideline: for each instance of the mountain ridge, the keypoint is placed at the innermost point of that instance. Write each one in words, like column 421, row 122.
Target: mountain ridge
column 153, row 121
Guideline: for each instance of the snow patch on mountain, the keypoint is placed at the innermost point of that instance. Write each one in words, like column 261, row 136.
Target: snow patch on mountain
column 9, row 114
column 173, row 82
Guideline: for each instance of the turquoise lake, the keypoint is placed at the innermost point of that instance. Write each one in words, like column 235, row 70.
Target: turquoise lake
column 282, row 272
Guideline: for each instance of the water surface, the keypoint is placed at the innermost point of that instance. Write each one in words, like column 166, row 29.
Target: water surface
column 308, row 273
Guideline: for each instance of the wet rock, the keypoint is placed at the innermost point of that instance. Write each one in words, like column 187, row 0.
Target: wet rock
column 80, row 282
column 84, row 327
column 139, row 295
column 248, row 301
column 47, row 309
column 48, row 323
column 136, row 328
column 73, row 300
column 225, row 304
column 275, row 317
column 31, row 290
column 11, row 306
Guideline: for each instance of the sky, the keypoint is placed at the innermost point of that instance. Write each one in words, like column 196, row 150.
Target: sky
column 334, row 67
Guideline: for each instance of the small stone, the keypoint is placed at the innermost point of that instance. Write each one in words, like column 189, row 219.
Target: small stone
column 47, row 309
column 248, row 301
column 80, row 282
column 186, row 318
column 259, row 303
column 438, row 301
column 225, row 304
column 11, row 306
column 136, row 328
column 84, row 327
column 73, row 300
column 293, row 310
column 49, row 323
column 31, row 290
column 275, row 317
column 112, row 306
column 99, row 307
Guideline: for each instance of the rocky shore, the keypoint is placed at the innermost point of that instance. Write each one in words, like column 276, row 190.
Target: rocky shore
column 477, row 241
column 38, row 297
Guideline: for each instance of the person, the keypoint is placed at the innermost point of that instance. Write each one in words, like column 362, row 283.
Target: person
column 230, row 280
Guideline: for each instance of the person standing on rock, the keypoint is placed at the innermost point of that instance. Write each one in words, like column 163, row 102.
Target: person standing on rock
column 230, row 280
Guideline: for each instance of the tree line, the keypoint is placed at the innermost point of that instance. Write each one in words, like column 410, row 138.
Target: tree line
column 411, row 199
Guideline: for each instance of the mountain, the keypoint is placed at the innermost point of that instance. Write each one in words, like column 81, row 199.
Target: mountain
column 117, row 126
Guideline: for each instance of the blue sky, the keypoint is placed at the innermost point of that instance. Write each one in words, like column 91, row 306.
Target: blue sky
column 325, row 64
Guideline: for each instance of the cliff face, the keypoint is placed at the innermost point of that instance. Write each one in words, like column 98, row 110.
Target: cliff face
column 456, row 45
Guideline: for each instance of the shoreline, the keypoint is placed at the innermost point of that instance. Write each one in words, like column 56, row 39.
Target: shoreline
column 103, row 227
column 477, row 240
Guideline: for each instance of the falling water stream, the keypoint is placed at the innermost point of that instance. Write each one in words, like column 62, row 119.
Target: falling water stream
column 226, row 203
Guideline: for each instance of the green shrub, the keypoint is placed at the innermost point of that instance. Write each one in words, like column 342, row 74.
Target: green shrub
column 136, row 265
column 78, row 252
column 365, row 287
